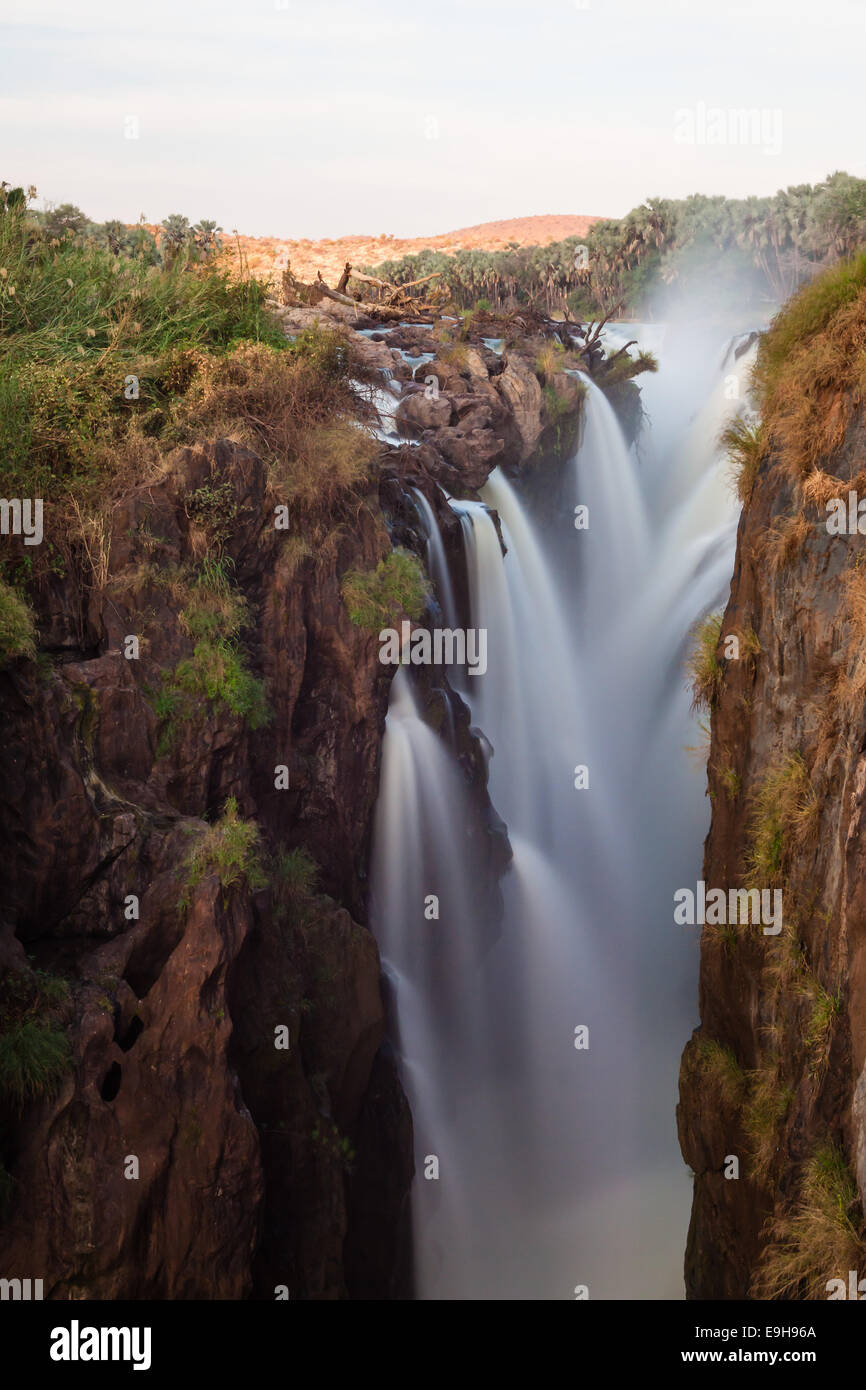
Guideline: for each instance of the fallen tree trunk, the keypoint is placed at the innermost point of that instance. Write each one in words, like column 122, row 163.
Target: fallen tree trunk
column 398, row 305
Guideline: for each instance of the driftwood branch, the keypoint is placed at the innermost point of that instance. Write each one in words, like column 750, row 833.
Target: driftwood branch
column 398, row 303
column 621, row 350
column 593, row 333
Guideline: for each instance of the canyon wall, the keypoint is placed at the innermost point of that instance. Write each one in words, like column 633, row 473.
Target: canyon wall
column 180, row 908
column 774, row 1077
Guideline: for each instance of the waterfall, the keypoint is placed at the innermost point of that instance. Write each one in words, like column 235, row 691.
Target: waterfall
column 437, row 562
column 558, row 1166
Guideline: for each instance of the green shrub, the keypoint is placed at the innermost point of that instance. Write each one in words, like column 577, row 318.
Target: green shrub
column 77, row 320
column 826, row 1009
column 213, row 614
column 34, row 1057
column 217, row 672
column 721, row 1070
column 297, row 871
column 17, row 625
column 396, row 589
column 230, row 849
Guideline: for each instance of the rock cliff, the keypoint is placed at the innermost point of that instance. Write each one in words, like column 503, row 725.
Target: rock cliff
column 774, row 1077
column 190, row 770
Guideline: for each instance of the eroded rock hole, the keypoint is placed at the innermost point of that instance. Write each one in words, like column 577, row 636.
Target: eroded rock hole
column 111, row 1083
column 132, row 1032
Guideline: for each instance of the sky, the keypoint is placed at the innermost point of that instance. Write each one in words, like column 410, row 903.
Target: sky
column 298, row 119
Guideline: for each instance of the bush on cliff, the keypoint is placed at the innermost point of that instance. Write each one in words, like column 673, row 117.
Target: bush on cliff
column 396, row 589
column 108, row 361
column 34, row 1057
column 34, row 1050
column 230, row 849
column 17, row 626
column 213, row 614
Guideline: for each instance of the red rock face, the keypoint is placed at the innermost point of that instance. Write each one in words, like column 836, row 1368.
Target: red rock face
column 256, row 1168
column 244, row 1152
column 758, row 993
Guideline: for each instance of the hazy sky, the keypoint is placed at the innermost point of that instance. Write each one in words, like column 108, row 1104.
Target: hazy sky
column 319, row 119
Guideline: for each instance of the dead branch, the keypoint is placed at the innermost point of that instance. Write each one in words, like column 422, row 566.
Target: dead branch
column 397, row 306
column 593, row 333
column 621, row 350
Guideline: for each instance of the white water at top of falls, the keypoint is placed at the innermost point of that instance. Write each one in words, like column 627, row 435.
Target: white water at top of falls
column 559, row 1166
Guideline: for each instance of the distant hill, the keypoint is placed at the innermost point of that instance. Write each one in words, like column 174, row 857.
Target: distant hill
column 329, row 255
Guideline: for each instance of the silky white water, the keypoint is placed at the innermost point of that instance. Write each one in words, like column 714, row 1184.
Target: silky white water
column 559, row 1167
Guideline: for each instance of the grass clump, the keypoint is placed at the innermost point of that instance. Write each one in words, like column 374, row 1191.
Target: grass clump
column 784, row 817
column 821, row 1239
column 396, row 589
column 549, row 360
column 17, row 625
column 721, row 1071
column 706, row 672
column 296, row 872
column 89, row 344
column 35, row 1053
column 807, row 314
column 214, row 613
column 851, row 682
column 294, row 407
column 731, row 781
column 826, row 1009
column 34, row 1057
column 112, row 354
column 230, row 849
column 765, row 1109
column 744, row 444
column 296, row 876
column 811, row 368
column 217, row 672
column 785, row 541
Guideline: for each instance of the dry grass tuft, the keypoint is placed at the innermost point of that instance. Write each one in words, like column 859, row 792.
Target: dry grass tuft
column 784, row 542
column 811, row 368
column 820, row 1240
column 763, row 1115
column 784, row 819
column 745, row 445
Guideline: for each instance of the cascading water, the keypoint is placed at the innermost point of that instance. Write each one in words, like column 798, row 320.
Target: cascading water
column 559, row 1166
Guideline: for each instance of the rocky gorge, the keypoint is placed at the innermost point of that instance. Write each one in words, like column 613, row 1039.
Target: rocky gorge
column 190, row 899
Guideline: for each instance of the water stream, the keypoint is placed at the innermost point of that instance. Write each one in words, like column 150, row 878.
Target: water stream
column 559, row 1166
